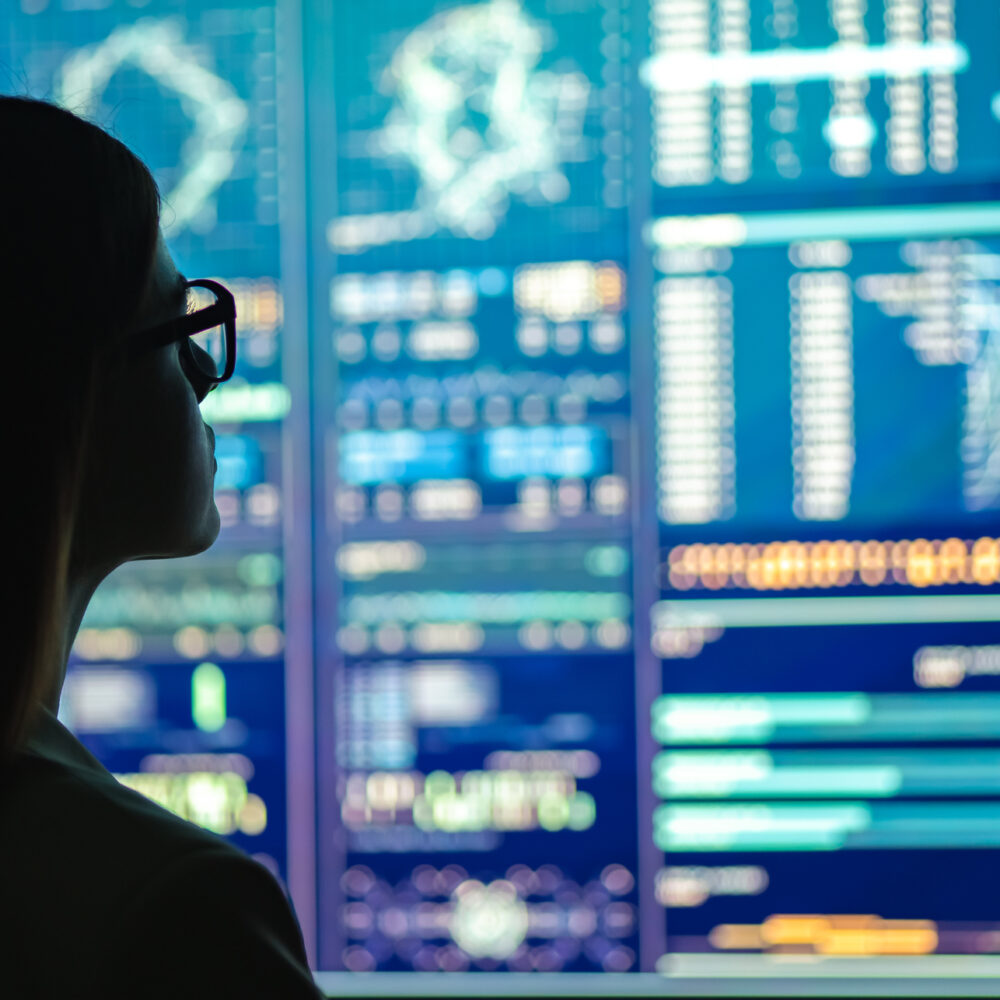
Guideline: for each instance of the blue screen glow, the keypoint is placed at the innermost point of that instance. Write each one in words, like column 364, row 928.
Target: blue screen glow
column 609, row 579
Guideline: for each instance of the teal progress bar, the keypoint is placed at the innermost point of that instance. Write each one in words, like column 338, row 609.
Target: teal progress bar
column 819, row 826
column 770, row 612
column 825, row 717
column 853, row 224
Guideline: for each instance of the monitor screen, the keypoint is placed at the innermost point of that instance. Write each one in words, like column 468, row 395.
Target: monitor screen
column 609, row 579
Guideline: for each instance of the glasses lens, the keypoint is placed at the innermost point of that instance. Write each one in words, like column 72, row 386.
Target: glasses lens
column 208, row 347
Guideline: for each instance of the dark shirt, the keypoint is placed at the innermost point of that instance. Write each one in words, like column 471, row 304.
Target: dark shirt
column 105, row 894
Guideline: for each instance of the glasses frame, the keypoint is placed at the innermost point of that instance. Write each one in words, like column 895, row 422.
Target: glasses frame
column 221, row 313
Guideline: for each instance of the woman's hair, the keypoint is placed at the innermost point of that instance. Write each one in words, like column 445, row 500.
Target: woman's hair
column 79, row 216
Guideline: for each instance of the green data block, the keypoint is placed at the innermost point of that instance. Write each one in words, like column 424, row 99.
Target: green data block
column 208, row 697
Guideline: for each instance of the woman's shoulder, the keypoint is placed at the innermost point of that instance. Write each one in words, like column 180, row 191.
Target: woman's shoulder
column 91, row 814
column 98, row 881
column 77, row 845
column 56, row 789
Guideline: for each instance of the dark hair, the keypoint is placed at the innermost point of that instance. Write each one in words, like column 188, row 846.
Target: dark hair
column 79, row 215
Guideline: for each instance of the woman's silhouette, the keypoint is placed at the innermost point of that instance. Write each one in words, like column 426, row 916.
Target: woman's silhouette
column 102, row 893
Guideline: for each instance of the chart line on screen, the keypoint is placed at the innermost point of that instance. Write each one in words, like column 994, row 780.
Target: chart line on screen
column 217, row 114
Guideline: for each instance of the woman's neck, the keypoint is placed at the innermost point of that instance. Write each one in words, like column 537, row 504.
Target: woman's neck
column 80, row 587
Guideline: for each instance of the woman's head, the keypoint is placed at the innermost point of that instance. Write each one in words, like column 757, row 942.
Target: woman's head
column 147, row 485
column 108, row 458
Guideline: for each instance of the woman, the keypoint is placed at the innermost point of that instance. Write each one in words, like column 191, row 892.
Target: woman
column 103, row 893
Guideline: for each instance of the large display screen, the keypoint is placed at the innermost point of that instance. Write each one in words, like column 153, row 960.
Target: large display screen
column 609, row 581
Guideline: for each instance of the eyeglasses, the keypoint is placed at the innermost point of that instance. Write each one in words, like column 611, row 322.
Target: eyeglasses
column 208, row 333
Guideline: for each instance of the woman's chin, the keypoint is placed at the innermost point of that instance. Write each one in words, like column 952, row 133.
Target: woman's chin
column 197, row 539
column 210, row 532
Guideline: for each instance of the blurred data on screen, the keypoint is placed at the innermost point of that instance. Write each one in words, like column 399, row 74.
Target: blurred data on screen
column 636, row 424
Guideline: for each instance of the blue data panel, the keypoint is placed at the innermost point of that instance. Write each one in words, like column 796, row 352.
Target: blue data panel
column 474, row 411
column 829, row 616
column 177, row 680
column 826, row 452
column 796, row 96
column 807, row 771
column 852, row 355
